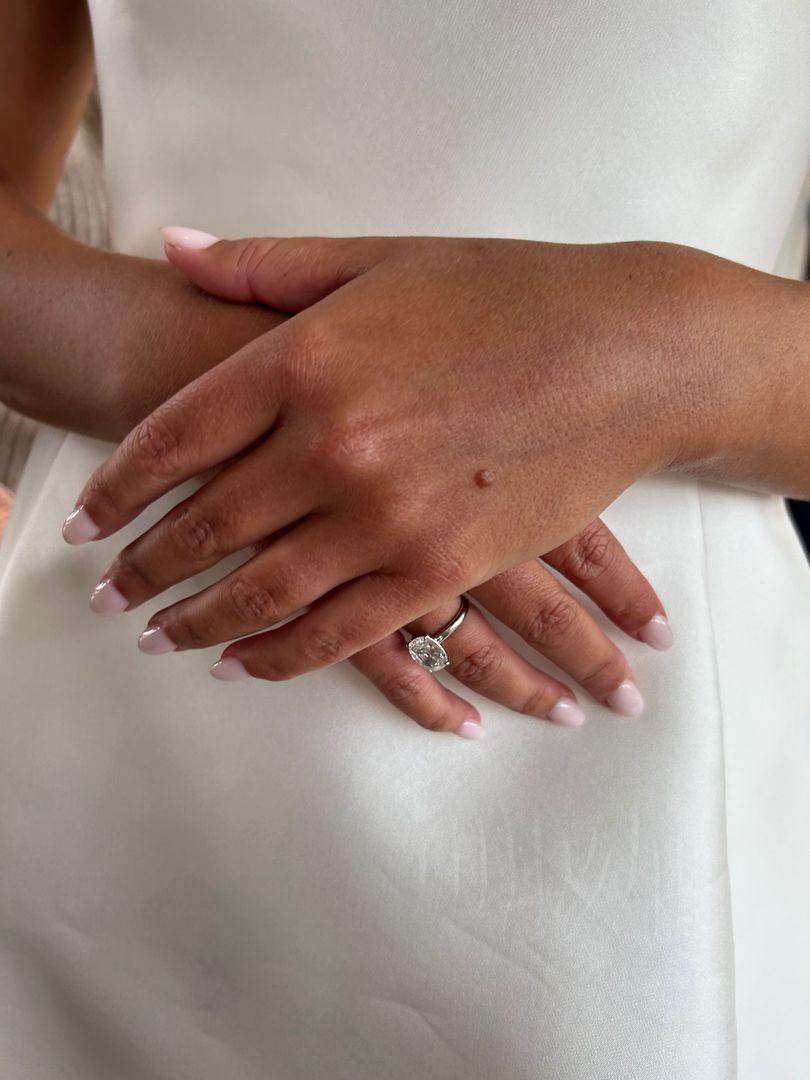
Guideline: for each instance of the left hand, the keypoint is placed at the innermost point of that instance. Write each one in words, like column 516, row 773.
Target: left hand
column 441, row 411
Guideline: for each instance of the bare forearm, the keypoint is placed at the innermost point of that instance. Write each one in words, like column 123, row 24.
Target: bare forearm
column 46, row 71
column 92, row 341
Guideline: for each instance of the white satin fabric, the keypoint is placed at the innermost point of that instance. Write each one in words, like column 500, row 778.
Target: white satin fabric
column 259, row 881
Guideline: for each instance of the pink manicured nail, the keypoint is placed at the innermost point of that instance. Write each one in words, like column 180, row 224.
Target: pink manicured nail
column 107, row 600
column 626, row 699
column 229, row 669
column 470, row 729
column 79, row 527
column 188, row 239
column 657, row 633
column 567, row 713
column 155, row 641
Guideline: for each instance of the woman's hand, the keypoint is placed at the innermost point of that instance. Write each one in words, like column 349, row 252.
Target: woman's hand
column 122, row 334
column 534, row 604
column 528, row 599
column 447, row 409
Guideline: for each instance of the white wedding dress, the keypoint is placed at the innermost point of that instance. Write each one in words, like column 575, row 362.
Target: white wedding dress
column 202, row 881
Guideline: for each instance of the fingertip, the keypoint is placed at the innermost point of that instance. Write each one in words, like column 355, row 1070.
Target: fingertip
column 185, row 239
column 229, row 669
column 567, row 713
column 471, row 729
column 657, row 633
column 79, row 527
column 626, row 699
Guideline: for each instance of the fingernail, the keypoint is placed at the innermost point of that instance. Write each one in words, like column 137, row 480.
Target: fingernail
column 567, row 713
column 155, row 641
column 107, row 600
column 79, row 527
column 657, row 633
column 626, row 699
column 470, row 729
column 229, row 669
column 188, row 239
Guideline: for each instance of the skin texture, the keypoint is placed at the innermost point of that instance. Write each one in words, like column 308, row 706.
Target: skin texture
column 93, row 342
column 99, row 368
column 563, row 372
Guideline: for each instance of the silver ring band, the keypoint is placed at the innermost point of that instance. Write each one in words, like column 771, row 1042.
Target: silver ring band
column 427, row 650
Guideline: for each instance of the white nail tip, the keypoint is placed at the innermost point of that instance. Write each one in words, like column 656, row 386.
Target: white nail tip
column 188, row 239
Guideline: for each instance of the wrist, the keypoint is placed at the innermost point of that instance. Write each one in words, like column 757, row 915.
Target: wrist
column 716, row 394
column 743, row 385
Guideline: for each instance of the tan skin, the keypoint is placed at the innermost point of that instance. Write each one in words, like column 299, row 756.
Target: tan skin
column 325, row 395
column 568, row 372
column 98, row 368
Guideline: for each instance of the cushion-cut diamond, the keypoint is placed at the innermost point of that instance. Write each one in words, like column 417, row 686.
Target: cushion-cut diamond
column 428, row 653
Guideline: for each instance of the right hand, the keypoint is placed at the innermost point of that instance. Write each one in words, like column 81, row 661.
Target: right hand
column 167, row 333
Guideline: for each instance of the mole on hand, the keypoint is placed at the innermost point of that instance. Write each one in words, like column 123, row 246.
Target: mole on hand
column 484, row 478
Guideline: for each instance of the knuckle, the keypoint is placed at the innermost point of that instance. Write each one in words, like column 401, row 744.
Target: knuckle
column 402, row 688
column 480, row 667
column 255, row 254
column 193, row 534
column 591, row 553
column 323, row 647
column 396, row 518
column 445, row 570
column 550, row 625
column 155, row 447
column 307, row 347
column 252, row 602
column 350, row 445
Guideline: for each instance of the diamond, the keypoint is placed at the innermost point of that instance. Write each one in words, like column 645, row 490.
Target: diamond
column 428, row 653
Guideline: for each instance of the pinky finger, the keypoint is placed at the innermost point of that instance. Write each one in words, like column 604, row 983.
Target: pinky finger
column 415, row 691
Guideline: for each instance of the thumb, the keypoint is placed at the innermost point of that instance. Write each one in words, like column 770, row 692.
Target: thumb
column 286, row 273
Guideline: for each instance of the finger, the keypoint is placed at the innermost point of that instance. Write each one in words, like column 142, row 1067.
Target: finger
column 597, row 564
column 414, row 691
column 534, row 604
column 481, row 660
column 282, row 579
column 286, row 273
column 349, row 619
column 229, row 513
column 183, row 438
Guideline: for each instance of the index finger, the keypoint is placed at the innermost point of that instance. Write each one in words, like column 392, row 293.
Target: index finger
column 204, row 424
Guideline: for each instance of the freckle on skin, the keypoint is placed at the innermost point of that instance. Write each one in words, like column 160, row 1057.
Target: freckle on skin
column 484, row 478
